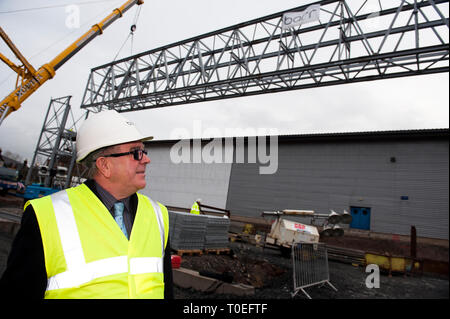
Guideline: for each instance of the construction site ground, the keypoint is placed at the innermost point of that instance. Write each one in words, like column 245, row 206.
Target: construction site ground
column 270, row 273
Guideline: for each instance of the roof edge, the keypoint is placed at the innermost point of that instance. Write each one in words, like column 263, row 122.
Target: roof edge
column 389, row 134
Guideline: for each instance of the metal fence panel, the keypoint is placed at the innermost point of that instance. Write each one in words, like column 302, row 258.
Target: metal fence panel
column 310, row 266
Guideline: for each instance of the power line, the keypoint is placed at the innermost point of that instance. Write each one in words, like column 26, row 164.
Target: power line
column 3, row 81
column 54, row 6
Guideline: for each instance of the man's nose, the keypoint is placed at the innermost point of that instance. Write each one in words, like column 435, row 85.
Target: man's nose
column 145, row 159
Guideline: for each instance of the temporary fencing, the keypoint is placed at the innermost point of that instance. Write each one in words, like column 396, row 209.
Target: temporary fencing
column 310, row 266
column 197, row 232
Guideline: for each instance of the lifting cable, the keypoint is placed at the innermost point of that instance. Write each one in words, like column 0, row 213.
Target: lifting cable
column 131, row 34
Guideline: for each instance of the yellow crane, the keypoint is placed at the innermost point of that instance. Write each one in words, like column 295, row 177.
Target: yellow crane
column 29, row 80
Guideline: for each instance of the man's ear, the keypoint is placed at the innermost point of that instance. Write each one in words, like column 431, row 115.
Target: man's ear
column 103, row 166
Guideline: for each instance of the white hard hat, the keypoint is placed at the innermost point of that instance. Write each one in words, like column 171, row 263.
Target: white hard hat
column 104, row 129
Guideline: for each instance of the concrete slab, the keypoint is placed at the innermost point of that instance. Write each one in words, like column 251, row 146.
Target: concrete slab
column 187, row 278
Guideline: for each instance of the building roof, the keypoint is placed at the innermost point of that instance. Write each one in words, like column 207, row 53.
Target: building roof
column 442, row 133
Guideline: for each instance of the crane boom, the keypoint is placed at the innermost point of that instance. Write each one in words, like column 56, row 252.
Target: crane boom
column 31, row 79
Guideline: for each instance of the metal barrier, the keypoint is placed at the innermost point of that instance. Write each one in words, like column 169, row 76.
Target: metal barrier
column 310, row 266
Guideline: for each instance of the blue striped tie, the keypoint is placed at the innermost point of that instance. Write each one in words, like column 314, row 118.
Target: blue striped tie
column 118, row 216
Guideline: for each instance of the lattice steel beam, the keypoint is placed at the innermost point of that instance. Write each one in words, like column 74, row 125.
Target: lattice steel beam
column 56, row 146
column 352, row 41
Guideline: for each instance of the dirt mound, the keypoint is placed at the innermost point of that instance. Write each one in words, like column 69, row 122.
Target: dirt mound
column 239, row 269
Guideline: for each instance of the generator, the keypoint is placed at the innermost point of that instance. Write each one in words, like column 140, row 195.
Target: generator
column 285, row 232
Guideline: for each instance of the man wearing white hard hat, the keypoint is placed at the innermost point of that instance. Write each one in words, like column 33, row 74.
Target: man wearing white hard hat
column 100, row 239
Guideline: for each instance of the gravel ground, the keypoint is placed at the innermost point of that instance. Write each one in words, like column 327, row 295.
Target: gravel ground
column 349, row 280
column 277, row 281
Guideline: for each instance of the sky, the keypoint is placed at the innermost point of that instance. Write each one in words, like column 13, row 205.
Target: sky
column 41, row 29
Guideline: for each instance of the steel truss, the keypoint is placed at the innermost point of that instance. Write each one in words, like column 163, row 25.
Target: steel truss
column 352, row 41
column 55, row 152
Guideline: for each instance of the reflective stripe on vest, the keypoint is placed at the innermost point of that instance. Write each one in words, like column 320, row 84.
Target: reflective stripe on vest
column 159, row 218
column 78, row 271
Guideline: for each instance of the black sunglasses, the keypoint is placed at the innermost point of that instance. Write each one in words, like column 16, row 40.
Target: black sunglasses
column 138, row 154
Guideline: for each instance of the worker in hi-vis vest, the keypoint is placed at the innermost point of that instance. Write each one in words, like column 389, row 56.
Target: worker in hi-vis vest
column 100, row 239
column 195, row 209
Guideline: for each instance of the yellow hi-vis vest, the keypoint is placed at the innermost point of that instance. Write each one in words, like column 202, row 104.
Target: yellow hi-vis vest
column 195, row 209
column 88, row 256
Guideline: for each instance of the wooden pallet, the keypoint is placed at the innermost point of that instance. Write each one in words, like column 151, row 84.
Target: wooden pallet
column 217, row 251
column 189, row 252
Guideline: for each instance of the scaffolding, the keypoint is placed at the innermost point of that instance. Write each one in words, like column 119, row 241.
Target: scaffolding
column 55, row 154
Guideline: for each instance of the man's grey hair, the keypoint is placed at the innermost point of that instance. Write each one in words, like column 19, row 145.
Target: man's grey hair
column 90, row 160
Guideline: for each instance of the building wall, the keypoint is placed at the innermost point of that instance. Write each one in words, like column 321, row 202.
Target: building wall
column 321, row 176
column 404, row 181
column 181, row 184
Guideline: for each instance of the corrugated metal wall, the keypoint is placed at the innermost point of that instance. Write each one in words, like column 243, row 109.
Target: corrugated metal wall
column 340, row 174
column 404, row 181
